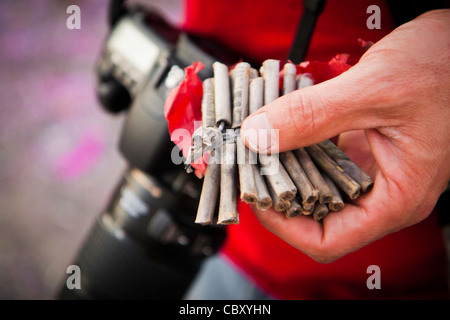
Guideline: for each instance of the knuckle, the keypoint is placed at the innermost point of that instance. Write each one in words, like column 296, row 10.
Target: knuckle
column 301, row 114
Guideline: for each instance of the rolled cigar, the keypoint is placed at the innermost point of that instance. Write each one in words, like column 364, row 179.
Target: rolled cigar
column 256, row 96
column 228, row 212
column 320, row 211
column 294, row 210
column 208, row 108
column 253, row 73
column 336, row 202
column 278, row 179
column 308, row 193
column 247, row 181
column 256, row 101
column 289, row 78
column 277, row 203
column 351, row 168
column 307, row 211
column 334, row 171
column 270, row 71
column 304, row 80
column 222, row 94
column 208, row 197
column 241, row 79
column 211, row 181
column 325, row 194
column 263, row 199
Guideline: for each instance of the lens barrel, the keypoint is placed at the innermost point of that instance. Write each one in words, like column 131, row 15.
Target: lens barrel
column 145, row 245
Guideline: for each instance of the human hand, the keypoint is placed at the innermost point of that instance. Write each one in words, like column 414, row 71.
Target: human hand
column 398, row 98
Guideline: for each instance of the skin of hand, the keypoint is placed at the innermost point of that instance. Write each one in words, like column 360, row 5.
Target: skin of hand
column 392, row 111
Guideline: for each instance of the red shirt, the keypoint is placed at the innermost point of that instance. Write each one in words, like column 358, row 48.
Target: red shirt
column 412, row 261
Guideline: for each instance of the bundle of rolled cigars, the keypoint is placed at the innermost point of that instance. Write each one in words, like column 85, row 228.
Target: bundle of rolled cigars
column 312, row 181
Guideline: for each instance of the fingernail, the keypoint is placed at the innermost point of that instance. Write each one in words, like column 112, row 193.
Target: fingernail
column 259, row 134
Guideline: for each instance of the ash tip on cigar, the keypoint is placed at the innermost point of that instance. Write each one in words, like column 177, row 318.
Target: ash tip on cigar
column 264, row 204
column 229, row 221
column 249, row 198
column 320, row 212
column 311, row 199
column 293, row 213
column 367, row 187
column 356, row 194
column 203, row 223
column 282, row 206
column 308, row 207
column 287, row 196
column 294, row 210
column 336, row 206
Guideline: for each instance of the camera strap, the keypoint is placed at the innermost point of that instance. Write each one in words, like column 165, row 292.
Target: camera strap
column 311, row 11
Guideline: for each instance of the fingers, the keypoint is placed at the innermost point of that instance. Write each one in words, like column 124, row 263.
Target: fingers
column 341, row 232
column 325, row 242
column 310, row 115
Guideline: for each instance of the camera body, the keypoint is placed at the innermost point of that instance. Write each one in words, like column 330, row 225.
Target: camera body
column 145, row 245
column 144, row 65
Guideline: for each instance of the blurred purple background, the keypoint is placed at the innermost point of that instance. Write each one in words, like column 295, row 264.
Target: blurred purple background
column 59, row 160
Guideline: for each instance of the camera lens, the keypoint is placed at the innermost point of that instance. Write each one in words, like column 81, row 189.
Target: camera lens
column 145, row 245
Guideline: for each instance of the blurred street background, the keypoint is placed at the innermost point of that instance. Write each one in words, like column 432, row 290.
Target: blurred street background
column 59, row 160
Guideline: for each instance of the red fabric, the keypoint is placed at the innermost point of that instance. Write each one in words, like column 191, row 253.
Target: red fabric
column 412, row 261
column 264, row 29
column 322, row 71
column 183, row 112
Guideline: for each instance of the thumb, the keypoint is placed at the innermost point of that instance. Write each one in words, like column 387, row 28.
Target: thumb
column 311, row 115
